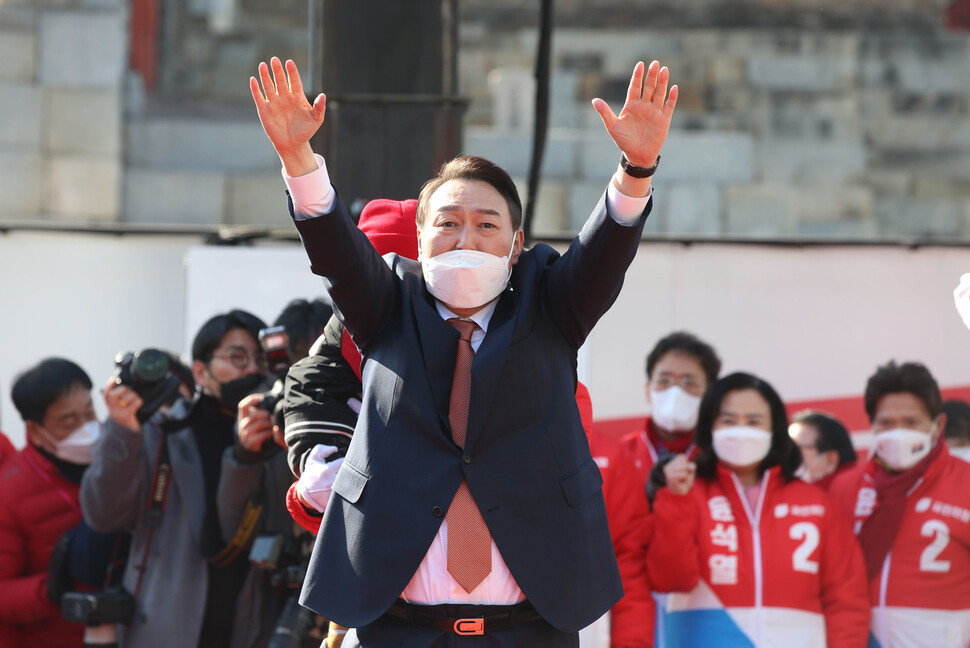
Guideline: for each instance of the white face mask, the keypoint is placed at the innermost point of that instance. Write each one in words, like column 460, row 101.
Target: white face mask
column 674, row 409
column 466, row 278
column 78, row 446
column 741, row 445
column 962, row 452
column 901, row 449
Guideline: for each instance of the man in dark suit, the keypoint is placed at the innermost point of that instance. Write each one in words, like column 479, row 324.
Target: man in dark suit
column 467, row 503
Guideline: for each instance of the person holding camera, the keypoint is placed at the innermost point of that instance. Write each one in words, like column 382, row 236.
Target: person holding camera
column 194, row 493
column 39, row 498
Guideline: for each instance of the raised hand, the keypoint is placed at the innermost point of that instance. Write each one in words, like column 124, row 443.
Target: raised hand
column 288, row 119
column 679, row 473
column 640, row 129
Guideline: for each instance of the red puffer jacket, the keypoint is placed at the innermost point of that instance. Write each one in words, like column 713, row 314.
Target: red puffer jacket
column 37, row 506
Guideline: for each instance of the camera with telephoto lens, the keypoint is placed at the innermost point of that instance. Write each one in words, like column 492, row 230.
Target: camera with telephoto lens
column 99, row 612
column 153, row 375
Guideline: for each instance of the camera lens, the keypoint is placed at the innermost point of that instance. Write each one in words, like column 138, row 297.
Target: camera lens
column 149, row 366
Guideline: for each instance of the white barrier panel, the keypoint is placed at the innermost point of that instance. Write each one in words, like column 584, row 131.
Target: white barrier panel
column 814, row 321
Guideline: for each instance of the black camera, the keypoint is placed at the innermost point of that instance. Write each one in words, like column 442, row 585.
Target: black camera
column 153, row 375
column 96, row 608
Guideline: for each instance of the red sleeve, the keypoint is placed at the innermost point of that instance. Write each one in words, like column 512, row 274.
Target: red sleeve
column 845, row 591
column 632, row 618
column 23, row 599
column 300, row 514
column 673, row 558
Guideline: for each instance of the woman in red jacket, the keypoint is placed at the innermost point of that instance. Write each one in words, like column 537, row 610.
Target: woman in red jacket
column 753, row 555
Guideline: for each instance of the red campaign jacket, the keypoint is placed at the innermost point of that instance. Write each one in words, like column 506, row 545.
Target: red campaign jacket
column 37, row 506
column 794, row 578
column 632, row 618
column 922, row 596
column 644, row 453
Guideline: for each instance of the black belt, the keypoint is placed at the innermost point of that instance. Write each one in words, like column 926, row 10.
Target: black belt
column 465, row 619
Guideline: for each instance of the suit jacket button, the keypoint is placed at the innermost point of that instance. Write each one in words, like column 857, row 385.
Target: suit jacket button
column 467, row 459
column 437, row 511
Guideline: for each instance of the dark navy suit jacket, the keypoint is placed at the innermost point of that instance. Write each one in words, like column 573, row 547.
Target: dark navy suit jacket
column 526, row 458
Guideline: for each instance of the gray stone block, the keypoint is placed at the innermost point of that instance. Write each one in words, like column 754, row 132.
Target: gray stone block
column 20, row 184
column 21, row 109
column 174, row 197
column 920, row 218
column 706, row 156
column 257, row 199
column 83, row 188
column 582, row 197
column 513, row 152
column 761, row 211
column 918, row 133
column 786, row 160
column 18, row 51
column 551, row 216
column 689, row 207
column 925, row 76
column 840, row 230
column 83, row 121
column 202, row 144
column 803, row 73
column 83, row 49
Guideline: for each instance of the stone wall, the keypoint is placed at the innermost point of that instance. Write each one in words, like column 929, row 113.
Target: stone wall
column 832, row 134
column 61, row 112
column 847, row 120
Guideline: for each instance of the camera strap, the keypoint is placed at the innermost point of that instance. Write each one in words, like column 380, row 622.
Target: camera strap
column 243, row 536
column 157, row 498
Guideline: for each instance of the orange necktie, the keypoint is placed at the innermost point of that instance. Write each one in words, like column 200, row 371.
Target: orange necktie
column 469, row 542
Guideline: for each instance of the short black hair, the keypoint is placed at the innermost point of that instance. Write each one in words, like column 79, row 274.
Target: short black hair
column 37, row 388
column 209, row 337
column 957, row 419
column 690, row 344
column 471, row 167
column 304, row 321
column 832, row 435
column 909, row 377
column 783, row 450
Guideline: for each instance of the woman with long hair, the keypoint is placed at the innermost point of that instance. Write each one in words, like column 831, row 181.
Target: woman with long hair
column 752, row 555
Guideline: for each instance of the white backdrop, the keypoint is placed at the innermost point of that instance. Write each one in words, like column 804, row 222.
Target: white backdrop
column 814, row 321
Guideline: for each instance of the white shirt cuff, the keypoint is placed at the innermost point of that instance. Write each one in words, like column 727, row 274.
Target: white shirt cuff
column 624, row 209
column 312, row 194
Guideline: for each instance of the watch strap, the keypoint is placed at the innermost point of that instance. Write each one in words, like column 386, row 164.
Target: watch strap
column 636, row 171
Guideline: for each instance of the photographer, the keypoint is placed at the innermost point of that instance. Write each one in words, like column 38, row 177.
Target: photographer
column 39, row 498
column 194, row 495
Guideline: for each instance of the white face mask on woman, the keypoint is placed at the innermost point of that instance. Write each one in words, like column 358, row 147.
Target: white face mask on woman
column 674, row 409
column 78, row 446
column 741, row 445
column 901, row 449
column 466, row 278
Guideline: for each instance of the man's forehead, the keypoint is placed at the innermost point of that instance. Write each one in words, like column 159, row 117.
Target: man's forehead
column 466, row 193
column 901, row 404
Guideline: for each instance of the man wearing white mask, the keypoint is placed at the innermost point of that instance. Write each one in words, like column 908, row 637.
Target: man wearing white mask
column 910, row 506
column 679, row 369
column 469, row 484
column 39, row 496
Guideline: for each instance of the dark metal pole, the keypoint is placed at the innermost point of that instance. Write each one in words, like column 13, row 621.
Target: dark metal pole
column 541, row 113
column 313, row 26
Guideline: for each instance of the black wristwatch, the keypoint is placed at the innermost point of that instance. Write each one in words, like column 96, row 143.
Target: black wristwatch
column 635, row 171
